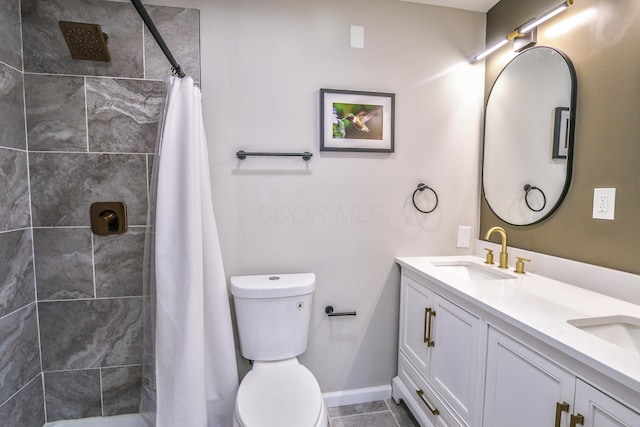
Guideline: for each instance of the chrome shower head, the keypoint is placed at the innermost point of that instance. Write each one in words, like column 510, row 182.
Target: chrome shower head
column 85, row 41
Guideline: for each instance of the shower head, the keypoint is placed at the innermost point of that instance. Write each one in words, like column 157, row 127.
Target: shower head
column 85, row 41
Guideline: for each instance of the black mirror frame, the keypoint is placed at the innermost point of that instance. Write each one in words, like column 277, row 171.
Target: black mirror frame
column 572, row 124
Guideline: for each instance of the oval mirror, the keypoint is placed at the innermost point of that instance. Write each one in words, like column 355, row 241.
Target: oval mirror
column 528, row 136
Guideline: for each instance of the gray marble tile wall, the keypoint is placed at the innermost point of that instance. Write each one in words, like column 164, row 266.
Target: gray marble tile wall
column 73, row 133
column 134, row 53
column 21, row 395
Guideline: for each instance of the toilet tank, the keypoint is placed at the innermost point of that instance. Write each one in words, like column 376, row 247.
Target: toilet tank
column 273, row 314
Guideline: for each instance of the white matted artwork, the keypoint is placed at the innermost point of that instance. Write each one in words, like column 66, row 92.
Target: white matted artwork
column 356, row 121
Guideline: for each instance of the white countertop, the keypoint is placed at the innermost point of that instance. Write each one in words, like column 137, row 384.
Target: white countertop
column 541, row 307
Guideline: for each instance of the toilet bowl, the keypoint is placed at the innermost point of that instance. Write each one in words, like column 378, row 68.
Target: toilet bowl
column 273, row 314
column 278, row 394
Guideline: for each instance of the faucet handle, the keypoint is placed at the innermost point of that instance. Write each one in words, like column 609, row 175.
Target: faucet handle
column 489, row 259
column 520, row 264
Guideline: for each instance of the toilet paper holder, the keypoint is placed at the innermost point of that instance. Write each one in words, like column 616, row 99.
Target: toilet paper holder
column 329, row 310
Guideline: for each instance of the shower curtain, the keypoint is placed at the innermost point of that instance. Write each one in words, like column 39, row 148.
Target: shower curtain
column 195, row 364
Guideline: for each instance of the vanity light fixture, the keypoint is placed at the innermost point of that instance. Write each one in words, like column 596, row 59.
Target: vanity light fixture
column 553, row 12
column 492, row 49
column 525, row 31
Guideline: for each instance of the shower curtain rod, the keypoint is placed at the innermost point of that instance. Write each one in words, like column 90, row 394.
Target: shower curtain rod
column 175, row 67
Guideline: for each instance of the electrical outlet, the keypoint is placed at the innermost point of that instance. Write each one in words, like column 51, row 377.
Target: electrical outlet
column 604, row 203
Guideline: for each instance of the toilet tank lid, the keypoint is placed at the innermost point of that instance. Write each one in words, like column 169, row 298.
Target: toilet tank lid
column 273, row 285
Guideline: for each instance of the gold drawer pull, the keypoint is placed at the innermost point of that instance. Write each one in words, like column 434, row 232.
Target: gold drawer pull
column 434, row 411
column 560, row 408
column 577, row 419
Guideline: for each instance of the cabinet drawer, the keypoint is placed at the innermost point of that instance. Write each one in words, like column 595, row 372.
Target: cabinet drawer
column 423, row 397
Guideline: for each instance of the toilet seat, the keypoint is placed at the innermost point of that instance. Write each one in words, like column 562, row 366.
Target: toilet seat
column 277, row 394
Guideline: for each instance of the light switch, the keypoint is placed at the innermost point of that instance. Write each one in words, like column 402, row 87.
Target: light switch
column 604, row 203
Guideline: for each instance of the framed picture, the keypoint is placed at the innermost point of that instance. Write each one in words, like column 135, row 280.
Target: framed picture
column 561, row 133
column 356, row 121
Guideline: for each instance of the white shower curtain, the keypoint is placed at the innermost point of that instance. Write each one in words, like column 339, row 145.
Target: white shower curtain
column 195, row 364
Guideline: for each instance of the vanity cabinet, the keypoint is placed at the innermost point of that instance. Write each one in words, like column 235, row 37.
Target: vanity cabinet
column 526, row 389
column 440, row 348
column 464, row 362
column 522, row 387
column 593, row 408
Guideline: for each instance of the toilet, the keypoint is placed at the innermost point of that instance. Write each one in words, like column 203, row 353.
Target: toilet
column 273, row 313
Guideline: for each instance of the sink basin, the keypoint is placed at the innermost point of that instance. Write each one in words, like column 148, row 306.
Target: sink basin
column 623, row 331
column 472, row 271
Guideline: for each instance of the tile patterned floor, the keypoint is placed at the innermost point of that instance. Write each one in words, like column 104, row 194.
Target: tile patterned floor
column 372, row 414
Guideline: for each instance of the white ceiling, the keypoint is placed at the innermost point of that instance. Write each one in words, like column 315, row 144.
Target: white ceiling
column 475, row 5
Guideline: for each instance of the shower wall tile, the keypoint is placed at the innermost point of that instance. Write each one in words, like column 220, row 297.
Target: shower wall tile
column 19, row 355
column 45, row 50
column 180, row 29
column 118, row 263
column 123, row 114
column 91, row 130
column 56, row 118
column 11, row 46
column 14, row 197
column 16, row 271
column 63, row 261
column 25, row 409
column 91, row 333
column 121, row 388
column 63, row 186
column 12, row 131
column 72, row 394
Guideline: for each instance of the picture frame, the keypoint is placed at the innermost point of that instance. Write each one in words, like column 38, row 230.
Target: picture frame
column 356, row 121
column 561, row 130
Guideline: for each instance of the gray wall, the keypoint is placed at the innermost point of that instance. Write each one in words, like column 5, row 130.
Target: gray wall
column 91, row 131
column 602, row 45
column 342, row 216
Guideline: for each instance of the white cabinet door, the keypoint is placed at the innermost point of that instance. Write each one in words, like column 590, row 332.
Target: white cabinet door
column 415, row 301
column 595, row 409
column 522, row 387
column 455, row 369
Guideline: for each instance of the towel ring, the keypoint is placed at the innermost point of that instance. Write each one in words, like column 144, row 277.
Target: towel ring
column 527, row 189
column 422, row 187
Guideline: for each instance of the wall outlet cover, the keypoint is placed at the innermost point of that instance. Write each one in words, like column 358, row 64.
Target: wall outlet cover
column 604, row 203
column 464, row 236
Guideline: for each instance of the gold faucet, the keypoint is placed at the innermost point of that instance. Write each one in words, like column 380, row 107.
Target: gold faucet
column 504, row 257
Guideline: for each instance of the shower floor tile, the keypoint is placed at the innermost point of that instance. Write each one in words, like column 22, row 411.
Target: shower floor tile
column 372, row 414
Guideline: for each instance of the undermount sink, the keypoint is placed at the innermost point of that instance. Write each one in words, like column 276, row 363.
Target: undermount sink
column 472, row 271
column 623, row 331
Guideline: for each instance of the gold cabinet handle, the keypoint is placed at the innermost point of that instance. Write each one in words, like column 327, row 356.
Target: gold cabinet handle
column 426, row 320
column 560, row 408
column 420, row 394
column 576, row 419
column 429, row 314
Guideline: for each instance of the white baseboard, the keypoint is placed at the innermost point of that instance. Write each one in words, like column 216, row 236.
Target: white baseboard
column 358, row 395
